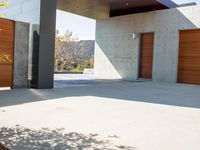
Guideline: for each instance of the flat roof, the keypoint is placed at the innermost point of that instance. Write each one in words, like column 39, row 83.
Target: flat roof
column 99, row 9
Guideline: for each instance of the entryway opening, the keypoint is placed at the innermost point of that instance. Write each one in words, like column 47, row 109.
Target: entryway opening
column 74, row 49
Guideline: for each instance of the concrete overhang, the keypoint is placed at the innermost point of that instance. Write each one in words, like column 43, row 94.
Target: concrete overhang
column 100, row 9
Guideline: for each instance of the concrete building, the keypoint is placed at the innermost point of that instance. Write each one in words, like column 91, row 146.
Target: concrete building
column 148, row 39
column 117, row 53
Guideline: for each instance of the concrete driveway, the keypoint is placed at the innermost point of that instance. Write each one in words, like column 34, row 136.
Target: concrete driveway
column 102, row 115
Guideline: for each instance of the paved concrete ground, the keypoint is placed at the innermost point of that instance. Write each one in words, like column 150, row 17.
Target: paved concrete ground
column 102, row 115
column 73, row 80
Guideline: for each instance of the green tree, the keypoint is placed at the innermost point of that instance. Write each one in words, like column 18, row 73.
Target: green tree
column 64, row 51
column 58, row 43
column 71, row 54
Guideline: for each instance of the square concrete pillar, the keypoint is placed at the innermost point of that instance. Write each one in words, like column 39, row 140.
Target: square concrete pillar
column 21, row 47
column 44, row 74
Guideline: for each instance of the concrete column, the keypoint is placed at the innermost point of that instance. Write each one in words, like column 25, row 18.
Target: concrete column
column 46, row 44
column 21, row 46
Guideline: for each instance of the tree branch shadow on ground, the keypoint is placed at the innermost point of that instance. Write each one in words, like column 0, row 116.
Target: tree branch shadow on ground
column 20, row 138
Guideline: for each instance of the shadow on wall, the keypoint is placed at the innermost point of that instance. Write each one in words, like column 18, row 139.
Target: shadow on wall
column 20, row 138
column 117, row 53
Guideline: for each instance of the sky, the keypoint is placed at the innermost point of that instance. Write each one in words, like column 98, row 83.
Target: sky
column 186, row 1
column 84, row 28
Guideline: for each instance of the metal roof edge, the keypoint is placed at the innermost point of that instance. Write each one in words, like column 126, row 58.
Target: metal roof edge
column 168, row 3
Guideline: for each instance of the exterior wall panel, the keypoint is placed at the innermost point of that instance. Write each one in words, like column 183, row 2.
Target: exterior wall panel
column 6, row 52
column 189, row 57
column 117, row 53
column 21, row 43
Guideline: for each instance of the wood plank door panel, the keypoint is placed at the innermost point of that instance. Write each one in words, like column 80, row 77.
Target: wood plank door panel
column 6, row 52
column 146, row 55
column 5, row 76
column 189, row 57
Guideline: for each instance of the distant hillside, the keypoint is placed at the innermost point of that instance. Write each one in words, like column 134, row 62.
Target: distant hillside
column 74, row 56
column 85, row 46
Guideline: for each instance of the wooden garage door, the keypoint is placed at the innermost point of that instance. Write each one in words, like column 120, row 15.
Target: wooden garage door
column 146, row 55
column 189, row 57
column 6, row 52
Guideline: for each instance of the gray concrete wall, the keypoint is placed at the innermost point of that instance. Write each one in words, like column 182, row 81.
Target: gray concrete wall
column 117, row 53
column 21, row 46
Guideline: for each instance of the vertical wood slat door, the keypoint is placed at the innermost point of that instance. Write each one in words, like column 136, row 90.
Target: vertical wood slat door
column 189, row 57
column 146, row 55
column 6, row 52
